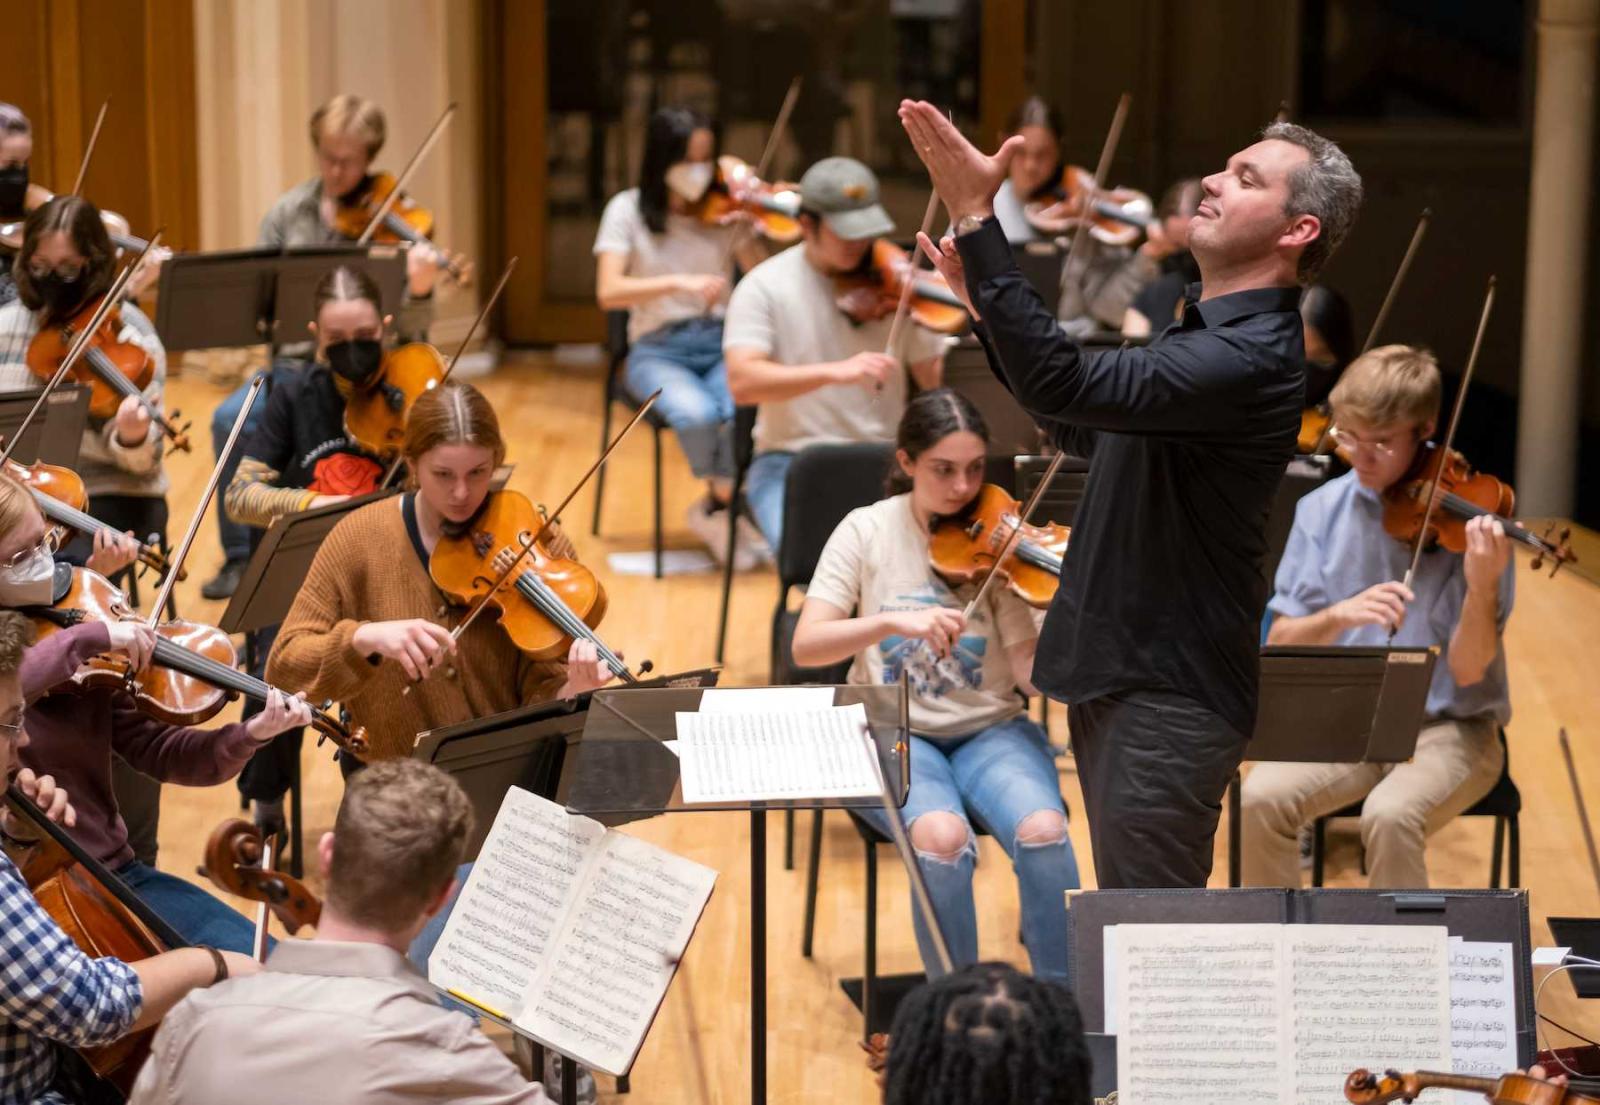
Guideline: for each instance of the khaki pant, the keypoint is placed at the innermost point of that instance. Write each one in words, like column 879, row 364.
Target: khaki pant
column 1456, row 763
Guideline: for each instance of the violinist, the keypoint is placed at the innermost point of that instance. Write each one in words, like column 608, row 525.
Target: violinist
column 347, row 133
column 668, row 268
column 1157, row 304
column 1338, row 584
column 79, row 728
column 53, row 995
column 16, row 148
column 816, row 375
column 975, row 751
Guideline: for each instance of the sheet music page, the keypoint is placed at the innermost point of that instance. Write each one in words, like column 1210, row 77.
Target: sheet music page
column 503, row 924
column 1198, row 1010
column 783, row 754
column 610, row 967
column 1483, row 1011
column 1374, row 996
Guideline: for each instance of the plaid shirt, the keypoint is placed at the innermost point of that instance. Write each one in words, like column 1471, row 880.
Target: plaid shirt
column 51, row 993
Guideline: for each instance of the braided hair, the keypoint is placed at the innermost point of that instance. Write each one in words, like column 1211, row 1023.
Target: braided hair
column 984, row 1035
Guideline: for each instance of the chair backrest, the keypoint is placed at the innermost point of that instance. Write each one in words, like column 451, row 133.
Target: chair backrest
column 616, row 336
column 825, row 483
column 1061, row 499
column 1011, row 429
column 744, row 437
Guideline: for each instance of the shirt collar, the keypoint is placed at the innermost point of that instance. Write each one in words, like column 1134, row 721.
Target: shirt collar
column 345, row 959
column 1235, row 305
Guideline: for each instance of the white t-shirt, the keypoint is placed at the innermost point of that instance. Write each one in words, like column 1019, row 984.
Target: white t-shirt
column 877, row 560
column 686, row 246
column 785, row 310
column 1008, row 208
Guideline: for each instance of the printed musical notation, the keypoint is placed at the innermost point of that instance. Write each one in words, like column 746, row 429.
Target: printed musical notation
column 1483, row 1011
column 775, row 755
column 570, row 931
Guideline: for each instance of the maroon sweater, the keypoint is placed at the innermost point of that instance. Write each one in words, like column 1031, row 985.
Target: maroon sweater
column 72, row 734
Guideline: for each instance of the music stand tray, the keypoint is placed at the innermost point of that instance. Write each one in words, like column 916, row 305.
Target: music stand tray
column 56, row 436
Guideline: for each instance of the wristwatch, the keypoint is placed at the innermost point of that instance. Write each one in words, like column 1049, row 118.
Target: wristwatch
column 966, row 224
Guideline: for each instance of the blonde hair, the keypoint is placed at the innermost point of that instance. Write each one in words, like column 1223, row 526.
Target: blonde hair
column 1389, row 384
column 400, row 834
column 349, row 114
column 16, row 503
column 452, row 414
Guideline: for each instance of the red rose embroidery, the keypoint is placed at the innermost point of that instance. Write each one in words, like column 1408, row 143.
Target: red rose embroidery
column 345, row 474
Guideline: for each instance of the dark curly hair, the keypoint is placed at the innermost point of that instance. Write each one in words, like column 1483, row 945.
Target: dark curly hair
column 987, row 1033
column 80, row 220
column 16, row 634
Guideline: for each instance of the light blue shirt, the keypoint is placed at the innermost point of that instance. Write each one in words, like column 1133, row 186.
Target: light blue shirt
column 1338, row 548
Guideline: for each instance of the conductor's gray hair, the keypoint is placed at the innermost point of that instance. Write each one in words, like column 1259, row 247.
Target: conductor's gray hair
column 1326, row 186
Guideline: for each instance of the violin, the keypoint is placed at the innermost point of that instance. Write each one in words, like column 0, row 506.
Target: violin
column 872, row 291
column 406, row 220
column 1463, row 494
column 1363, row 1087
column 1116, row 216
column 112, row 369
column 63, row 501
column 737, row 187
column 101, row 915
column 233, row 855
column 375, row 415
column 118, row 229
column 192, row 674
column 962, row 548
column 549, row 602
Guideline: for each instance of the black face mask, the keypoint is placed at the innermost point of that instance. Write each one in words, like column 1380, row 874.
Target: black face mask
column 60, row 297
column 13, row 189
column 356, row 360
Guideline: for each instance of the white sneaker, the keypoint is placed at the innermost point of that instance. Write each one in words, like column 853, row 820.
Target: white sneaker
column 710, row 526
column 750, row 546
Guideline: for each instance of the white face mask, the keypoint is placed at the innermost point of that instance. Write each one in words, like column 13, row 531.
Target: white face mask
column 31, row 582
column 690, row 179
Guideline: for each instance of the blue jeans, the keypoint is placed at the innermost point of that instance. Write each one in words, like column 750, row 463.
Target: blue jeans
column 685, row 361
column 763, row 493
column 422, row 947
column 998, row 777
column 197, row 916
column 235, row 536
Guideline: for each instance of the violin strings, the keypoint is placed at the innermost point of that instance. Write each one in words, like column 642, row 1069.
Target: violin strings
column 549, row 603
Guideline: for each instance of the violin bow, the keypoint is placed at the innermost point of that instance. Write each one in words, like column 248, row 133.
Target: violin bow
column 258, row 947
column 1583, row 809
column 1016, row 531
column 1449, row 437
column 405, row 175
column 1388, row 301
column 1108, row 153
column 88, row 151
column 80, row 343
column 904, row 306
column 206, row 496
column 483, row 313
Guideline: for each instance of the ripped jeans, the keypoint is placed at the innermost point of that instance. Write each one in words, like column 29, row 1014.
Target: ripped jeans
column 1000, row 777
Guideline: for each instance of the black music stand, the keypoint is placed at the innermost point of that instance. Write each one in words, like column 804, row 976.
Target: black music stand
column 1061, row 498
column 624, row 773
column 232, row 298
column 1326, row 704
column 56, row 436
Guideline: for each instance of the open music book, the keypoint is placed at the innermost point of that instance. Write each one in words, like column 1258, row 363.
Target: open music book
column 570, row 932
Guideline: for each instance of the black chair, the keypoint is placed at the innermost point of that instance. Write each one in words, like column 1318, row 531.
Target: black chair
column 744, row 447
column 616, row 392
column 1503, row 803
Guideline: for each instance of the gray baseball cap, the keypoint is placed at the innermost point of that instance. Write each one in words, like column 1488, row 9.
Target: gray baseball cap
column 845, row 193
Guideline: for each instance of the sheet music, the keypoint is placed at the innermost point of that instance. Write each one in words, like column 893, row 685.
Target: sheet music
column 728, row 757
column 610, row 969
column 1374, row 996
column 761, row 700
column 1483, row 1011
column 1198, row 1013
column 500, row 931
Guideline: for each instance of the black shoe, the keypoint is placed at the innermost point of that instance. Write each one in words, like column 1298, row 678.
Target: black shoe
column 224, row 583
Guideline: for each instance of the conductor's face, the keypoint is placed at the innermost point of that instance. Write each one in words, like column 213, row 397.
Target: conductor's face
column 1243, row 209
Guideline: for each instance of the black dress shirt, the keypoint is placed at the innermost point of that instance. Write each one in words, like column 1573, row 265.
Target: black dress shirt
column 1187, row 438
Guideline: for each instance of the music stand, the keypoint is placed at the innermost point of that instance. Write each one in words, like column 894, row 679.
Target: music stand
column 1060, row 501
column 232, row 298
column 1332, row 705
column 56, row 436
column 625, row 772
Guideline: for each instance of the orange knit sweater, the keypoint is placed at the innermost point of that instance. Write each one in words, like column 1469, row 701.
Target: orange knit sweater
column 367, row 571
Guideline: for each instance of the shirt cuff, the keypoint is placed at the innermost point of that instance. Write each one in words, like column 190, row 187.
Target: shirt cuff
column 985, row 252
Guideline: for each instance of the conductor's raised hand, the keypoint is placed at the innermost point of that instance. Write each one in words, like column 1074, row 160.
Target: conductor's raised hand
column 965, row 177
column 416, row 644
column 948, row 261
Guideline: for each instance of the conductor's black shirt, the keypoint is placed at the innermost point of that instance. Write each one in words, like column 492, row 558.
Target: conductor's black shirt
column 1187, row 438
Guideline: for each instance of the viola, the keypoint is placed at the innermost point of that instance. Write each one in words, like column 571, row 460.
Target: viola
column 1463, row 494
column 1366, row 1088
column 962, row 548
column 405, row 221
column 375, row 415
column 872, row 291
column 101, row 915
column 549, row 602
column 233, row 856
column 112, row 369
column 192, row 674
column 63, row 501
column 1116, row 216
column 737, row 188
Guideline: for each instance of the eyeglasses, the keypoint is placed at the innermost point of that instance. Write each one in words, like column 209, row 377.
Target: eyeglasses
column 1355, row 444
column 22, row 556
column 10, row 731
column 71, row 272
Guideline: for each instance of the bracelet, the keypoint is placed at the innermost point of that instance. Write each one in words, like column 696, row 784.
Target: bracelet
column 221, row 963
